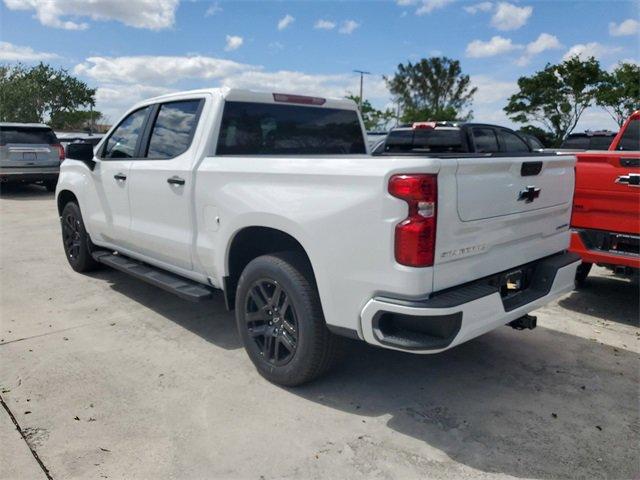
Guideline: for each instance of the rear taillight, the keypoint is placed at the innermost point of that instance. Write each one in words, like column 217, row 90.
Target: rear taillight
column 60, row 151
column 415, row 236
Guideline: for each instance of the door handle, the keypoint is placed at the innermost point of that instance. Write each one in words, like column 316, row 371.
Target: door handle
column 175, row 180
column 121, row 177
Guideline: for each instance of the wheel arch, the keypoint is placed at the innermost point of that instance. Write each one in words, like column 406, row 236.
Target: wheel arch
column 251, row 242
column 64, row 197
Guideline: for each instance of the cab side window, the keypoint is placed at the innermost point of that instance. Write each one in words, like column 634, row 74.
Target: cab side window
column 631, row 137
column 511, row 143
column 123, row 141
column 485, row 140
column 173, row 129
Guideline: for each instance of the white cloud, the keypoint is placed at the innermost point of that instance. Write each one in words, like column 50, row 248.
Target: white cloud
column 544, row 42
column 428, row 6
column 325, row 25
column 156, row 69
column 510, row 17
column 213, row 9
column 123, row 81
column 16, row 53
column 234, row 42
column 112, row 100
column 629, row 27
column 591, row 49
column 406, row 3
column 491, row 90
column 496, row 46
column 478, row 7
column 348, row 27
column 150, row 14
column 285, row 21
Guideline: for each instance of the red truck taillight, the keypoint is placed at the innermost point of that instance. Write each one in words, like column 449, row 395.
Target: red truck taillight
column 415, row 236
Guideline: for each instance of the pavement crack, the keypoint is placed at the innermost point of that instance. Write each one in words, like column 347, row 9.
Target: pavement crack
column 46, row 334
column 33, row 451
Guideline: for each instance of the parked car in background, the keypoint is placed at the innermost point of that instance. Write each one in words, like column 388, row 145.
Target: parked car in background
column 533, row 141
column 589, row 140
column 66, row 138
column 374, row 137
column 273, row 198
column 29, row 152
column 452, row 138
column 606, row 206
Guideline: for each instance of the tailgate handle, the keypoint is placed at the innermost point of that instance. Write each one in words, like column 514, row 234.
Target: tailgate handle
column 529, row 169
column 632, row 179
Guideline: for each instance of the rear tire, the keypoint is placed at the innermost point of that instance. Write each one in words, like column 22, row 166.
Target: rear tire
column 280, row 320
column 75, row 240
column 581, row 274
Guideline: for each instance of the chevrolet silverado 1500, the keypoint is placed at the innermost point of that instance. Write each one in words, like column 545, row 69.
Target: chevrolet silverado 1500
column 606, row 207
column 274, row 199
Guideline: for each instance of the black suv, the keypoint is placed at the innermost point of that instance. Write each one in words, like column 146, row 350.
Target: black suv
column 589, row 140
column 452, row 137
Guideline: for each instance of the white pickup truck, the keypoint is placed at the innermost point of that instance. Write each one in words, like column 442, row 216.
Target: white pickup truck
column 274, row 199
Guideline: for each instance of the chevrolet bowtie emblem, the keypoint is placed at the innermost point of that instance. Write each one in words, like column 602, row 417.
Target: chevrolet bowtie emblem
column 529, row 194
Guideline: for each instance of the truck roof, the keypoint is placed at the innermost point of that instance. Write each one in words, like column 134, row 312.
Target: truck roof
column 26, row 125
column 244, row 95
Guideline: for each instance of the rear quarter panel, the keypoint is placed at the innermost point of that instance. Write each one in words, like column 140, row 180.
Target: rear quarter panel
column 337, row 208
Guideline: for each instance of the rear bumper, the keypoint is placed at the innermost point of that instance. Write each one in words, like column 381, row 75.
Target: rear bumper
column 456, row 315
column 598, row 251
column 28, row 174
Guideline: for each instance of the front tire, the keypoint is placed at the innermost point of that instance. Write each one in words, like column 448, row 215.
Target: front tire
column 280, row 320
column 76, row 242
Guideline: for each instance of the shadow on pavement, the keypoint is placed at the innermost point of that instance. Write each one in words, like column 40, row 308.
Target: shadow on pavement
column 24, row 191
column 610, row 298
column 527, row 404
column 209, row 319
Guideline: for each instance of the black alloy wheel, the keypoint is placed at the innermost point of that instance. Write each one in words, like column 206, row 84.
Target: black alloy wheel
column 271, row 321
column 71, row 235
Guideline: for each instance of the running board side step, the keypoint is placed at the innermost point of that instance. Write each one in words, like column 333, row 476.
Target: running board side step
column 180, row 286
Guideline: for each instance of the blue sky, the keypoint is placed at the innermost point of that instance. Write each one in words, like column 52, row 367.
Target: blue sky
column 133, row 49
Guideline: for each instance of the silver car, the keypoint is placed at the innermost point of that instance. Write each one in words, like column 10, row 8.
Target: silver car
column 29, row 152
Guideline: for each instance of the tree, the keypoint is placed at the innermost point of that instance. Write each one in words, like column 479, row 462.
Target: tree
column 76, row 120
column 40, row 93
column 619, row 92
column 432, row 89
column 373, row 119
column 556, row 96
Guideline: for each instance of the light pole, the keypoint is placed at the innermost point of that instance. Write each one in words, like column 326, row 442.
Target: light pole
column 362, row 74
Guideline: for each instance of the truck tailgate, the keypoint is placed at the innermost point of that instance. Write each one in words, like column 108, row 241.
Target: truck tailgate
column 605, row 198
column 506, row 211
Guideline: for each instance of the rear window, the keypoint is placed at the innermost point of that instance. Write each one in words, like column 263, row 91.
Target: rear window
column 425, row 140
column 266, row 129
column 29, row 135
column 631, row 137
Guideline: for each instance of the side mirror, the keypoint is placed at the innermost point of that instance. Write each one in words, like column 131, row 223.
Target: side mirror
column 82, row 152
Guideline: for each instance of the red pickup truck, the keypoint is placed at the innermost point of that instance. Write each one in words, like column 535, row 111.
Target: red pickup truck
column 606, row 205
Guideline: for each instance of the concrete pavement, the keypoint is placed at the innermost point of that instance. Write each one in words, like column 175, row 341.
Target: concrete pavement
column 108, row 377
